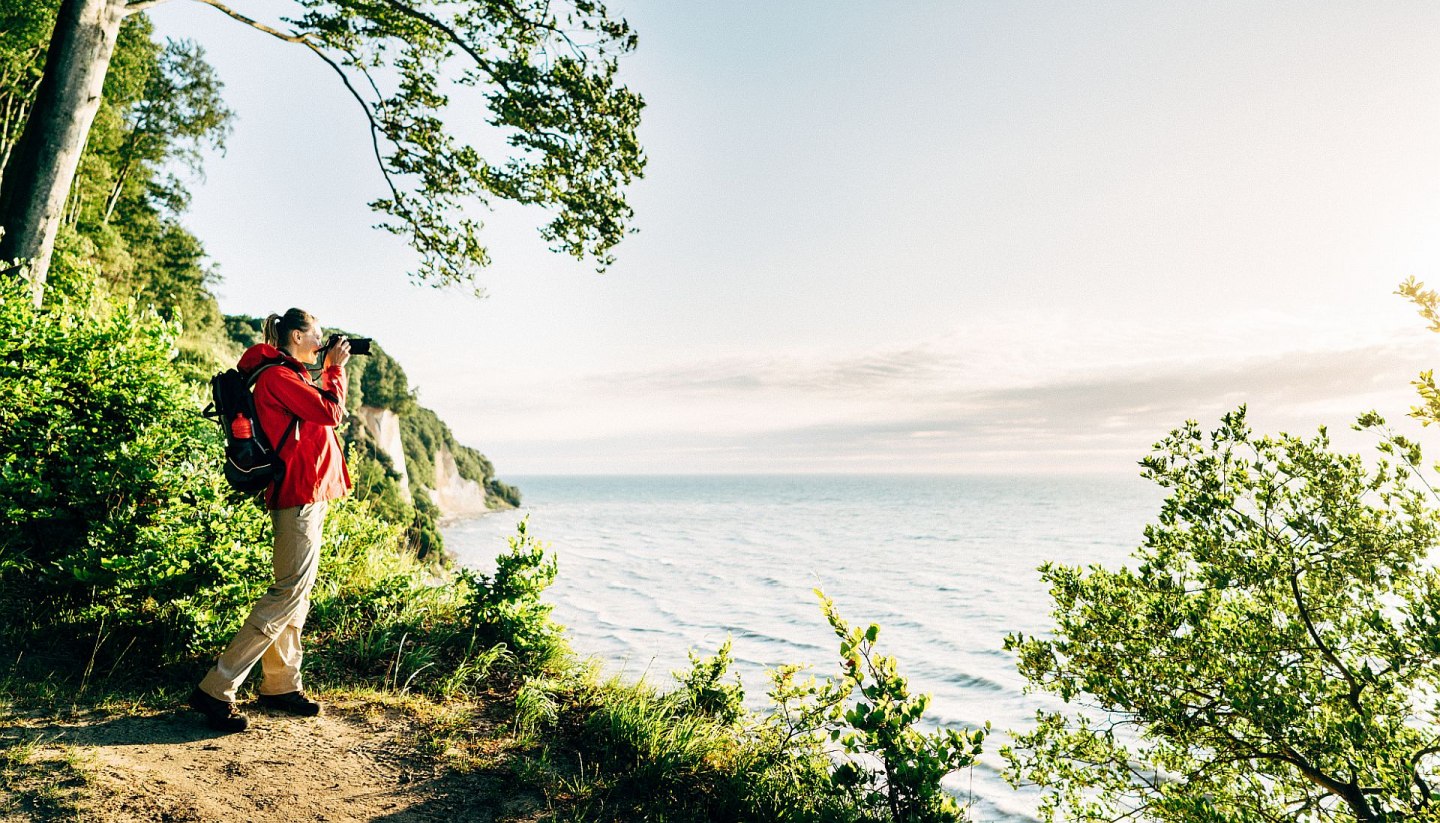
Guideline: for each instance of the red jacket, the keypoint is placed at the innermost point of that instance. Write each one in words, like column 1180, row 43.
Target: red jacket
column 314, row 461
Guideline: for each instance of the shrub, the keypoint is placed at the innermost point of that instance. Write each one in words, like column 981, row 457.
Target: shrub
column 1272, row 656
column 703, row 692
column 506, row 607
column 115, row 518
column 879, row 716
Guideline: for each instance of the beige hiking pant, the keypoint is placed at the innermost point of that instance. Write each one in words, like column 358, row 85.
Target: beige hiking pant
column 271, row 634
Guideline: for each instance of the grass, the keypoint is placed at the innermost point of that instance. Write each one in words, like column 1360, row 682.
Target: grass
column 40, row 779
column 489, row 690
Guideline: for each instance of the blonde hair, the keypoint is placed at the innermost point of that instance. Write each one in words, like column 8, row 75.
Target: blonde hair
column 278, row 327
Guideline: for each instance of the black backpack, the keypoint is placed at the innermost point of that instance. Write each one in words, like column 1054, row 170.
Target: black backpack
column 251, row 462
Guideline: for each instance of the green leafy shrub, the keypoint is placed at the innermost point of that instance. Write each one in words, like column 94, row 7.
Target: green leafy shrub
column 506, row 607
column 1272, row 656
column 880, row 715
column 115, row 517
column 703, row 690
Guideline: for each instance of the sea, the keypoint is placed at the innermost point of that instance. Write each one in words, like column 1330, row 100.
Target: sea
column 653, row 567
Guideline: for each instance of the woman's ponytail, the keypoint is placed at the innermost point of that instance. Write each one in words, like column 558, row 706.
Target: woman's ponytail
column 278, row 327
column 272, row 330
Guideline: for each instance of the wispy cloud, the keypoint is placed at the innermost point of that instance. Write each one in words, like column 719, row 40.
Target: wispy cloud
column 1072, row 399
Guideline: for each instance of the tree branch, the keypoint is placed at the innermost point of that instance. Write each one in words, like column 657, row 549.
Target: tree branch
column 375, row 131
column 540, row 24
column 1415, row 772
column 141, row 5
column 451, row 35
column 1355, row 686
column 303, row 39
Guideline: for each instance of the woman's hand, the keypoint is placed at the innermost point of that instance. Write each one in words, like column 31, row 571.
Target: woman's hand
column 339, row 354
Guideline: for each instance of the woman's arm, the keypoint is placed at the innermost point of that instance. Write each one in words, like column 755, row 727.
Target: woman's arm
column 308, row 402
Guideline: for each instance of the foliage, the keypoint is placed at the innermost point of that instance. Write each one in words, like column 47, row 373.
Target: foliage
column 498, row 490
column 374, row 480
column 505, row 608
column 884, row 769
column 1428, row 302
column 24, row 32
column 548, row 75
column 177, row 111
column 1273, row 656
column 383, row 383
column 161, row 101
column 696, row 754
column 880, row 725
column 651, row 759
column 703, row 690
column 116, row 519
column 543, row 75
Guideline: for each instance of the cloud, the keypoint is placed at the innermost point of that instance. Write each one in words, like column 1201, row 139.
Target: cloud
column 968, row 402
column 905, row 410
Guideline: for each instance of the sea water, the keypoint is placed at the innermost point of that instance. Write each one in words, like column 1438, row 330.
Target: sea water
column 652, row 567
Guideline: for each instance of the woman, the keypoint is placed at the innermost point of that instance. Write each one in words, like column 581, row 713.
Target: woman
column 298, row 417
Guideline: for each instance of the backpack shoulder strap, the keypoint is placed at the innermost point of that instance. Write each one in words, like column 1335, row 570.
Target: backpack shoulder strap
column 255, row 377
column 275, row 361
column 284, row 438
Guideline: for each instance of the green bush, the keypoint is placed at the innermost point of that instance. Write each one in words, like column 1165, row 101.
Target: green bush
column 116, row 520
column 505, row 608
column 1272, row 655
column 899, row 768
column 704, row 692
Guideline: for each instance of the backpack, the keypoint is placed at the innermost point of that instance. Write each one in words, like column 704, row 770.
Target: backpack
column 251, row 462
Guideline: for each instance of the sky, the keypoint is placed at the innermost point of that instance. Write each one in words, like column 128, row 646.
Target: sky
column 918, row 237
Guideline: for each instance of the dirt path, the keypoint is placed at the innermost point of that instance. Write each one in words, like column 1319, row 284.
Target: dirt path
column 352, row 764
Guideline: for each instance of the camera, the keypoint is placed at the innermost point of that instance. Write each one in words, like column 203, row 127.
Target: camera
column 358, row 345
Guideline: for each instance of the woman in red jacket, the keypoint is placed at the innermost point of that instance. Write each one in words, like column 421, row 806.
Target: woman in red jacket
column 299, row 417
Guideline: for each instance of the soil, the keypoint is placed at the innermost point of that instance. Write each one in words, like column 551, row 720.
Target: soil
column 355, row 763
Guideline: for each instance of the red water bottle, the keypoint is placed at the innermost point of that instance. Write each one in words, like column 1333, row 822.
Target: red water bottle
column 241, row 428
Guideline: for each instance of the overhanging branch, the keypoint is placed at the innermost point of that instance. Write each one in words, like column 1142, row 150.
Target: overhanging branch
column 451, row 35
column 141, row 5
column 308, row 42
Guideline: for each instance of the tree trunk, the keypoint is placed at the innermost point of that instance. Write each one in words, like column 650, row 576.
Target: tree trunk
column 42, row 165
column 126, row 153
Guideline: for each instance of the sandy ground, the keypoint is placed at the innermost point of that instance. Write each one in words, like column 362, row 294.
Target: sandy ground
column 350, row 765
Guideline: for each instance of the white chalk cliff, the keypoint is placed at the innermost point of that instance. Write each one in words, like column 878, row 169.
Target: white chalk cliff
column 384, row 426
column 456, row 496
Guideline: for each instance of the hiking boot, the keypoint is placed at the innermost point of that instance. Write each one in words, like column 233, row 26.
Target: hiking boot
column 219, row 715
column 291, row 703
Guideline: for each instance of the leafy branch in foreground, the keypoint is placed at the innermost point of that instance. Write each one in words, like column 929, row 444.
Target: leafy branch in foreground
column 1428, row 302
column 1273, row 656
column 880, row 725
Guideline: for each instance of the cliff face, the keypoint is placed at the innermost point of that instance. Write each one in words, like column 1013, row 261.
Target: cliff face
column 384, row 427
column 452, row 492
column 455, row 495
